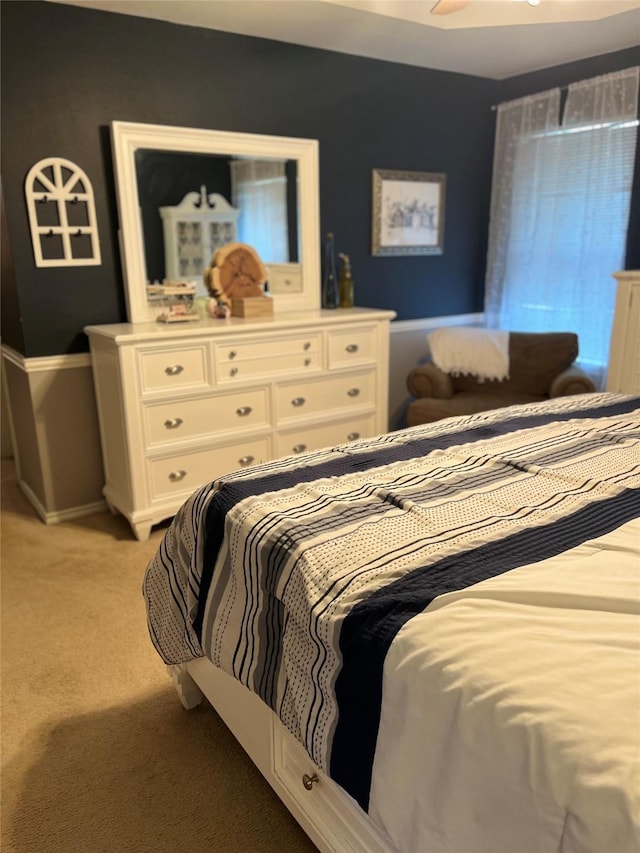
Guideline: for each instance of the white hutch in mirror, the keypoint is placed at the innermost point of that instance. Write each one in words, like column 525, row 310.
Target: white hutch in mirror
column 183, row 403
column 193, row 230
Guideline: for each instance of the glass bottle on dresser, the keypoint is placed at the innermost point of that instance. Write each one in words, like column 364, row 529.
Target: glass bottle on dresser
column 330, row 291
column 346, row 282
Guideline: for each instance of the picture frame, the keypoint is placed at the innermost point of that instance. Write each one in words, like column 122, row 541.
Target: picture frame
column 408, row 213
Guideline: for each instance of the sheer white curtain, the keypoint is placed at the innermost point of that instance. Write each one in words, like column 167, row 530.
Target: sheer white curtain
column 560, row 209
column 259, row 190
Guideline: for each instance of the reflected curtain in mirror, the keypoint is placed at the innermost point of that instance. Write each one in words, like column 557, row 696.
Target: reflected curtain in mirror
column 259, row 192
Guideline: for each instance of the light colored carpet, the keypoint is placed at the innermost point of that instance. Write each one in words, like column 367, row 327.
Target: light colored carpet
column 98, row 755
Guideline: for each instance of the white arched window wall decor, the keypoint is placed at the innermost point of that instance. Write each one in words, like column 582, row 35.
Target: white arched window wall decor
column 62, row 215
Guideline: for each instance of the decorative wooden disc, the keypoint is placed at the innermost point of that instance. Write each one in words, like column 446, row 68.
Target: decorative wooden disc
column 236, row 271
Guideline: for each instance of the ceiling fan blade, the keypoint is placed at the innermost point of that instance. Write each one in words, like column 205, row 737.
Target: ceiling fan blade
column 445, row 7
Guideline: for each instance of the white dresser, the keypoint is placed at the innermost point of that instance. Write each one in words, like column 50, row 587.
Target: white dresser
column 181, row 405
column 624, row 353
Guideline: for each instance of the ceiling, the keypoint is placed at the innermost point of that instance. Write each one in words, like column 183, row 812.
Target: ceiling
column 488, row 38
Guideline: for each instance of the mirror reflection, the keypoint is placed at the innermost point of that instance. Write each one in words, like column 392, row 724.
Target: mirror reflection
column 191, row 204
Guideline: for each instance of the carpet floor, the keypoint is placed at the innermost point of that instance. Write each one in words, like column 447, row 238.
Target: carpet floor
column 98, row 755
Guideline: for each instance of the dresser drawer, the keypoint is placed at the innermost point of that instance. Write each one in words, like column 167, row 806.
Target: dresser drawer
column 171, row 368
column 300, row 399
column 185, row 472
column 326, row 435
column 246, row 359
column 352, row 346
column 285, row 278
column 183, row 419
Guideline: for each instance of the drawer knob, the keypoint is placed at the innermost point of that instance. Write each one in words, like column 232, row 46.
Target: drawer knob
column 307, row 346
column 173, row 369
column 352, row 348
column 307, row 362
column 172, row 423
column 353, row 435
column 233, row 371
column 233, row 354
column 298, row 401
column 176, row 476
column 309, row 781
column 243, row 411
column 353, row 392
column 300, row 448
column 246, row 460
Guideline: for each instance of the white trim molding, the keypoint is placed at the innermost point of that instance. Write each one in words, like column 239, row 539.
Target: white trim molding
column 44, row 363
column 402, row 326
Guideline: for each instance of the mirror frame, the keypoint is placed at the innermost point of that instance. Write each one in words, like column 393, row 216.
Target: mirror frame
column 128, row 137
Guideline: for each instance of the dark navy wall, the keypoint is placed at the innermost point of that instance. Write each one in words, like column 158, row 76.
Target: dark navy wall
column 68, row 72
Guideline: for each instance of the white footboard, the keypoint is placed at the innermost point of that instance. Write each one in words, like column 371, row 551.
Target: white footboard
column 329, row 816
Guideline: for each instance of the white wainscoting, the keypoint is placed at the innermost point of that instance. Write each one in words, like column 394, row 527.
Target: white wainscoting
column 407, row 346
column 53, row 423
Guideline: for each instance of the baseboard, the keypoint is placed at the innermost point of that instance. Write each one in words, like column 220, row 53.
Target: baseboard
column 62, row 515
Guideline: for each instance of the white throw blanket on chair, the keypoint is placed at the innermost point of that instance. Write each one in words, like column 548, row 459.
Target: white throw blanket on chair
column 480, row 352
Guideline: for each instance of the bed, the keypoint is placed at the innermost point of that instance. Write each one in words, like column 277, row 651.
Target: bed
column 428, row 640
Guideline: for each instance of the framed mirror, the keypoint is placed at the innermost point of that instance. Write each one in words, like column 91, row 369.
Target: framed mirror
column 195, row 176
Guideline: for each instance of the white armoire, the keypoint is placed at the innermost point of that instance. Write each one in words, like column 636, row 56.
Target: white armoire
column 624, row 352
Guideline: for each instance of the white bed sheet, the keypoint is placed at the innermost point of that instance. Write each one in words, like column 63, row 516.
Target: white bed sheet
column 540, row 711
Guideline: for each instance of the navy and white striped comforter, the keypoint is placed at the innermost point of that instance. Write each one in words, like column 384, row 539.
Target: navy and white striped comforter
column 295, row 576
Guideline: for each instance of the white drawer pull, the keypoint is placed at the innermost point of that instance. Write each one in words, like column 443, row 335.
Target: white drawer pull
column 300, row 448
column 353, row 392
column 172, row 423
column 298, row 401
column 307, row 346
column 233, row 354
column 245, row 460
column 243, row 411
column 176, row 476
column 352, row 348
column 233, row 371
column 307, row 362
column 309, row 781
column 353, row 435
column 173, row 369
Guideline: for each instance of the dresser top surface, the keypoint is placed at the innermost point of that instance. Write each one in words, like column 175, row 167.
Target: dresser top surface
column 154, row 331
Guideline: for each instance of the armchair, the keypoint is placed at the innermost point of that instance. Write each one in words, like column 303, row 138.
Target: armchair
column 540, row 367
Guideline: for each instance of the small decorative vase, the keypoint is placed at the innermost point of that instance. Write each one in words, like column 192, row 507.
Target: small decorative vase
column 330, row 292
column 346, row 283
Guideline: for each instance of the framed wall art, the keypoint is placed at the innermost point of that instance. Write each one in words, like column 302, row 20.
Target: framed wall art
column 408, row 213
column 62, row 215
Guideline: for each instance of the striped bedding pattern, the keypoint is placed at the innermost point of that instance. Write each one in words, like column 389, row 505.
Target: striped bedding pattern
column 296, row 575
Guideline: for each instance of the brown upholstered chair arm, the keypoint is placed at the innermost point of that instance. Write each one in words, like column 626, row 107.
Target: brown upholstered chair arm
column 427, row 380
column 571, row 381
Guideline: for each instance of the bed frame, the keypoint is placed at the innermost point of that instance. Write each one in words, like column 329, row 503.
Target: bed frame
column 329, row 816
